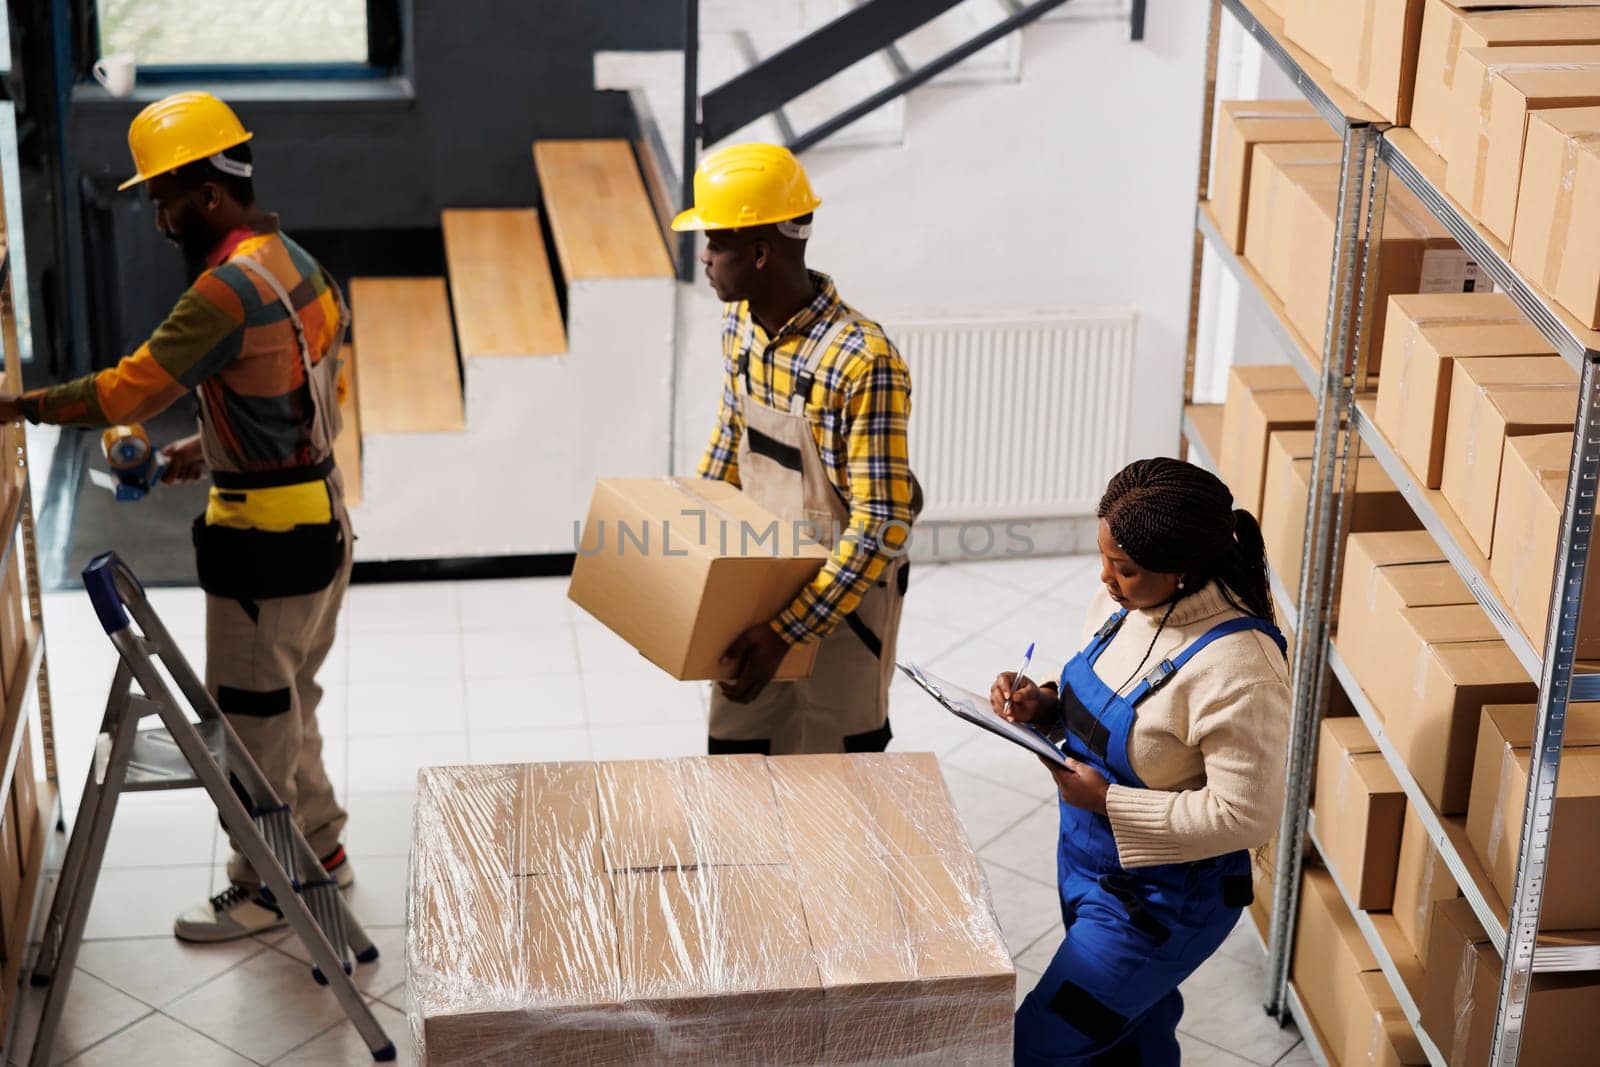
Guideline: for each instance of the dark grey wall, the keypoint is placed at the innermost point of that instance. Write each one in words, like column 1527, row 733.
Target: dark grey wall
column 488, row 78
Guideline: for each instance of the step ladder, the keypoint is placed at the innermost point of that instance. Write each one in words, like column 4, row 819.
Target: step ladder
column 181, row 754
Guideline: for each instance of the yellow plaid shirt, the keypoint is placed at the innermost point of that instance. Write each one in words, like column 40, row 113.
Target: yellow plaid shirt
column 859, row 404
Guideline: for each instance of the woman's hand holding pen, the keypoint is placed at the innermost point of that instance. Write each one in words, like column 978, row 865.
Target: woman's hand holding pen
column 1016, row 699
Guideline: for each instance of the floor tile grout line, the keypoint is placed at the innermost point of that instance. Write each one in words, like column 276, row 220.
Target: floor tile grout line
column 1012, row 870
column 1289, row 1051
column 1219, row 1048
column 122, row 1029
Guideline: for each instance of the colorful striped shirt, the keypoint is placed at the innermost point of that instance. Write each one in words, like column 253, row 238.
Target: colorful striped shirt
column 858, row 409
column 230, row 340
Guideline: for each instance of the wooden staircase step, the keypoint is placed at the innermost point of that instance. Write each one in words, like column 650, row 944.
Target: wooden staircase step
column 410, row 379
column 598, row 210
column 501, row 288
column 347, row 446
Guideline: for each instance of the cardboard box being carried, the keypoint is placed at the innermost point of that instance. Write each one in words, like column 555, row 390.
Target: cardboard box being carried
column 1360, row 808
column 1420, row 879
column 1499, row 798
column 1527, row 531
column 1483, row 415
column 1424, row 335
column 1241, row 126
column 1461, row 991
column 679, row 567
column 1496, row 90
column 1269, row 222
column 1448, row 28
column 797, row 910
column 1433, row 671
column 1378, row 504
column 1261, row 402
column 1369, row 45
column 1417, row 255
column 1558, row 209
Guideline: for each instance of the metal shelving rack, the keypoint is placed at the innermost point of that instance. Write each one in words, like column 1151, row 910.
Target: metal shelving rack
column 32, row 681
column 1373, row 154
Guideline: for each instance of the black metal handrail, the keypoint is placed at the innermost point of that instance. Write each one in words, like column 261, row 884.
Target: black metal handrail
column 810, row 61
column 767, row 86
column 907, row 82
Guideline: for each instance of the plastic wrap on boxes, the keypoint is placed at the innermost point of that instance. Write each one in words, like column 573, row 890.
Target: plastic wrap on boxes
column 726, row 909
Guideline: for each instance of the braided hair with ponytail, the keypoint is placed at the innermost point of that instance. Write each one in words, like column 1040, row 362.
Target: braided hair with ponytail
column 1173, row 517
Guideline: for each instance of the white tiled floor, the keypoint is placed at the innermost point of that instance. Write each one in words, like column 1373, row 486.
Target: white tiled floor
column 497, row 671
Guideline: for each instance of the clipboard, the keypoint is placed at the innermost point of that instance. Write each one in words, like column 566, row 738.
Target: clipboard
column 966, row 704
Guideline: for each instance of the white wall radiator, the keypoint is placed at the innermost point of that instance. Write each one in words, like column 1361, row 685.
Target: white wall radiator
column 1018, row 418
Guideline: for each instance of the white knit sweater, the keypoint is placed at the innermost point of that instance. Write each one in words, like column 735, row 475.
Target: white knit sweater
column 1210, row 745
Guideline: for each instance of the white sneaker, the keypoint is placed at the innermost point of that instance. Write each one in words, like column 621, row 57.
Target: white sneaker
column 236, row 912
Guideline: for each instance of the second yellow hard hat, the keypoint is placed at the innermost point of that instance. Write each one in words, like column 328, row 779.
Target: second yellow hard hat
column 747, row 185
column 180, row 129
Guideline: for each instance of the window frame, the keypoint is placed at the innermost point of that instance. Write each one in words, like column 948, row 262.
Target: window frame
column 385, row 54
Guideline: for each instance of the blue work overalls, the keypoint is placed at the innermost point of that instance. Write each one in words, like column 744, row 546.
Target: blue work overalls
column 1110, row 994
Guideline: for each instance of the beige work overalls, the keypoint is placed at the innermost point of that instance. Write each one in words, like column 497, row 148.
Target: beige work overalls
column 844, row 705
column 263, row 654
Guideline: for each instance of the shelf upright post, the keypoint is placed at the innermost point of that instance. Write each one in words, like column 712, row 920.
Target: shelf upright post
column 1555, row 682
column 1197, row 263
column 1351, row 283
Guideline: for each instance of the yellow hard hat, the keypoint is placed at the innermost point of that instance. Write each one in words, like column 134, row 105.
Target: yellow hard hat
column 747, row 185
column 180, row 129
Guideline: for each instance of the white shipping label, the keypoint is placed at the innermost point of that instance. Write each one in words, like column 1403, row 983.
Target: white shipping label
column 1450, row 270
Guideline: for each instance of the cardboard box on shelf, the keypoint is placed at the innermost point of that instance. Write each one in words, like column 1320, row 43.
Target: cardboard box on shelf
column 1330, row 955
column 1533, row 492
column 1424, row 334
column 679, row 567
column 1496, row 89
column 25, row 799
column 1482, row 417
column 1558, row 209
column 1379, row 1034
column 1269, row 220
column 1420, row 879
column 1461, row 992
column 13, row 622
column 1261, row 401
column 1434, row 670
column 810, row 910
column 1448, row 28
column 1263, row 877
column 1417, row 255
column 1241, row 126
column 1499, row 796
column 1378, row 504
column 1371, row 50
column 1360, row 808
column 1373, row 593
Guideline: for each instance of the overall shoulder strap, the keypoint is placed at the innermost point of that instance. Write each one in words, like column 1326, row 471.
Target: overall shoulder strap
column 804, row 374
column 1102, row 637
column 260, row 270
column 1163, row 671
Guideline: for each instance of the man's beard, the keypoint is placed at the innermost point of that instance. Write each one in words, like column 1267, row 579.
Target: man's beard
column 194, row 242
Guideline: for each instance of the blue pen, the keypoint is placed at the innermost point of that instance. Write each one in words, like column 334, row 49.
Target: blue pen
column 1027, row 658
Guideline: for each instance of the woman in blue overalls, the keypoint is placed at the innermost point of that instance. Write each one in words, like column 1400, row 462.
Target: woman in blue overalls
column 1174, row 718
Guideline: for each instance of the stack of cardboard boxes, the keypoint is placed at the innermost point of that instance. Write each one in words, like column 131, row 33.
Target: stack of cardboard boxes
column 1478, row 407
column 797, row 910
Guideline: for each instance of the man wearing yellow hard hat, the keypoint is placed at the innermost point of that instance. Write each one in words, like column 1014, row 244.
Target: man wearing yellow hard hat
column 812, row 425
column 256, row 338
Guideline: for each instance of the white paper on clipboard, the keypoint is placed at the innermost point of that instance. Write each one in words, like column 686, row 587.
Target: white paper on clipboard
column 976, row 709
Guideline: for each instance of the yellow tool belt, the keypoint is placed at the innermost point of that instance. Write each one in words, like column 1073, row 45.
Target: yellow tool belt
column 275, row 510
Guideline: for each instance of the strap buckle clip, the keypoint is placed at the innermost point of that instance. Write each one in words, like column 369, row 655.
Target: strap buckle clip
column 1160, row 674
